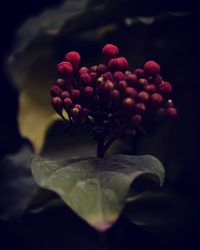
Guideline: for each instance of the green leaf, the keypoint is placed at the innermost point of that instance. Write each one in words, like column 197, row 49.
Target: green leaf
column 96, row 189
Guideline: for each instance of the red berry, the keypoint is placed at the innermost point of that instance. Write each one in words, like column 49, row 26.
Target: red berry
column 67, row 102
column 102, row 68
column 128, row 103
column 156, row 100
column 83, row 70
column 57, row 103
column 165, row 88
column 131, row 92
column 171, row 113
column 88, row 91
column 75, row 94
column 55, row 90
column 65, row 94
column 115, row 95
column 86, row 78
column 118, row 76
column 65, row 68
column 110, row 51
column 122, row 85
column 151, row 67
column 119, row 63
column 74, row 58
column 157, row 79
column 143, row 96
column 150, row 88
column 137, row 120
column 140, row 108
column 139, row 73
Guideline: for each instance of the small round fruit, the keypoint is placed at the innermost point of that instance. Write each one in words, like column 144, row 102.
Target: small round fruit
column 151, row 67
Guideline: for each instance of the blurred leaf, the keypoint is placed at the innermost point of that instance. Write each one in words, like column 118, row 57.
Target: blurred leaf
column 96, row 189
column 16, row 183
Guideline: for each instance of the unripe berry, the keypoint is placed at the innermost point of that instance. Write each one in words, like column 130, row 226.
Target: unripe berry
column 108, row 76
column 122, row 85
column 75, row 94
column 139, row 73
column 131, row 79
column 55, row 91
column 156, row 100
column 93, row 76
column 65, row 68
column 137, row 120
column 151, row 67
column 74, row 58
column 140, row 108
column 171, row 113
column 128, row 103
column 110, row 51
column 85, row 78
column 143, row 96
column 88, row 91
column 67, row 103
column 142, row 82
column 65, row 94
column 83, row 70
column 101, row 68
column 165, row 88
column 57, row 104
column 131, row 92
column 109, row 86
column 119, row 63
column 150, row 88
column 115, row 95
column 118, row 76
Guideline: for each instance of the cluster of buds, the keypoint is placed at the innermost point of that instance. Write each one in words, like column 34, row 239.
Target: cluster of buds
column 110, row 95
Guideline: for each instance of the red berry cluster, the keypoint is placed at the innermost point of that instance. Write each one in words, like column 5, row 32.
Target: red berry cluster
column 110, row 93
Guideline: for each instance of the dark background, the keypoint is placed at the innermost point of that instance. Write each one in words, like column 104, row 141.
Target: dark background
column 180, row 56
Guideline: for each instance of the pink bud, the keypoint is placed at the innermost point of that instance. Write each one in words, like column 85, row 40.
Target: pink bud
column 57, row 104
column 137, row 120
column 67, row 102
column 86, row 78
column 140, row 108
column 110, row 51
column 143, row 96
column 74, row 58
column 55, row 91
column 118, row 76
column 131, row 92
column 119, row 63
column 75, row 94
column 165, row 88
column 139, row 73
column 65, row 68
column 156, row 100
column 151, row 67
column 88, row 91
column 171, row 113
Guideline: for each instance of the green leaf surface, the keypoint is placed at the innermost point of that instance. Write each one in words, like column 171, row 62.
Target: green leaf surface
column 96, row 189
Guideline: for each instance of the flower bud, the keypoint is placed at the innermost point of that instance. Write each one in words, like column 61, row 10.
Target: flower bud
column 139, row 73
column 137, row 120
column 128, row 103
column 131, row 92
column 171, row 113
column 65, row 69
column 67, row 103
column 76, row 111
column 165, row 88
column 110, row 51
column 65, row 94
column 119, row 63
column 85, row 78
column 156, row 100
column 60, row 82
column 101, row 68
column 57, row 104
column 140, row 108
column 115, row 95
column 151, row 67
column 122, row 85
column 55, row 91
column 93, row 76
column 143, row 96
column 75, row 94
column 74, row 58
column 157, row 79
column 109, row 86
column 93, row 68
column 150, row 88
column 142, row 82
column 118, row 76
column 88, row 91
